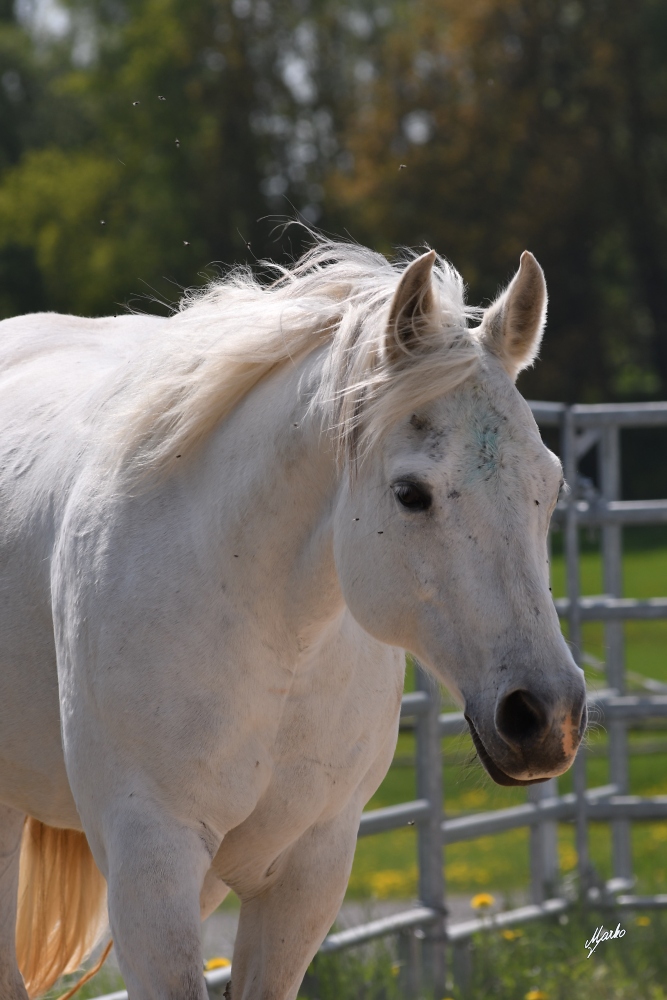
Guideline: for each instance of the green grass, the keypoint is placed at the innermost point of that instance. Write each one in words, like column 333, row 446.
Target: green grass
column 545, row 960
column 107, row 980
column 540, row 961
column 371, row 973
column 548, row 959
column 645, row 575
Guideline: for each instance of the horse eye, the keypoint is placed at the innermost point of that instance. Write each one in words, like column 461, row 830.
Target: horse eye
column 411, row 496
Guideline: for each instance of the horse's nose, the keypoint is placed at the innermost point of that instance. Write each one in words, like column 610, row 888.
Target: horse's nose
column 522, row 717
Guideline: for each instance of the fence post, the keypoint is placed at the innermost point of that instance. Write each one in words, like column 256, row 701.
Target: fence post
column 574, row 626
column 429, row 834
column 609, row 458
column 544, row 870
column 462, row 964
column 543, row 846
column 410, row 960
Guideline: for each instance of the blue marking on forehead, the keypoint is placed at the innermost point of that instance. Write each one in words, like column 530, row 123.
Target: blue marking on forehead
column 484, row 449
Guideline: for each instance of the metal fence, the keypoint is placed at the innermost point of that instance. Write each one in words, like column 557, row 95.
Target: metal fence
column 425, row 935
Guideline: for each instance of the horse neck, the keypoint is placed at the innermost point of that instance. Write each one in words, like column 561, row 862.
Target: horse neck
column 276, row 471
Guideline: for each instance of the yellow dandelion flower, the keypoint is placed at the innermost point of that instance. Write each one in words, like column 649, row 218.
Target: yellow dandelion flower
column 567, row 857
column 643, row 921
column 395, row 968
column 482, row 900
column 511, row 935
column 217, row 963
column 537, row 995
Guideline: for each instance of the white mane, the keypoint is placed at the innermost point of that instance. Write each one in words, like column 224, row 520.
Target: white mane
column 224, row 340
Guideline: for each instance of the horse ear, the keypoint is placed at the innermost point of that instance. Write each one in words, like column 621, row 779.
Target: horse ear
column 413, row 305
column 513, row 325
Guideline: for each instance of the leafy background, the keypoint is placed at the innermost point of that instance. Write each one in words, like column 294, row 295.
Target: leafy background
column 520, row 123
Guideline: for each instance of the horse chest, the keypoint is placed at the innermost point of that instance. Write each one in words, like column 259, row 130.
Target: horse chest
column 328, row 758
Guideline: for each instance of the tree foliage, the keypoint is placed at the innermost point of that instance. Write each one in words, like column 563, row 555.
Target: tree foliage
column 156, row 136
column 530, row 123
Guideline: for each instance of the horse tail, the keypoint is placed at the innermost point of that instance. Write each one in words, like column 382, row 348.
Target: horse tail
column 61, row 904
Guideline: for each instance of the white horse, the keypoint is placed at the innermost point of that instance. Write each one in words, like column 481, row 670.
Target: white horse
column 219, row 533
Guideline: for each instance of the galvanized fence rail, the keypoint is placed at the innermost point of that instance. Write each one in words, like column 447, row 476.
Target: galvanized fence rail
column 424, row 931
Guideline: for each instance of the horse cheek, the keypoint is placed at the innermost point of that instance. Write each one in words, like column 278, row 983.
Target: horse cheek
column 374, row 591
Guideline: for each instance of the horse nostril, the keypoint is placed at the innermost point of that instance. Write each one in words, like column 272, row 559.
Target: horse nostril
column 521, row 718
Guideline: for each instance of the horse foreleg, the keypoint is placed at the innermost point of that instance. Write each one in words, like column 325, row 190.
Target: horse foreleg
column 281, row 928
column 11, row 828
column 156, row 870
column 212, row 894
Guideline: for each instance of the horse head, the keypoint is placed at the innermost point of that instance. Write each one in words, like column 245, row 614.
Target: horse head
column 441, row 533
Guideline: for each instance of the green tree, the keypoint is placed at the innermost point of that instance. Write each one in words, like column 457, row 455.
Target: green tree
column 528, row 124
column 195, row 124
column 20, row 281
column 180, row 114
column 158, row 135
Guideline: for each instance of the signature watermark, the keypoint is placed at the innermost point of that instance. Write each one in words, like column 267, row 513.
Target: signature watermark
column 600, row 935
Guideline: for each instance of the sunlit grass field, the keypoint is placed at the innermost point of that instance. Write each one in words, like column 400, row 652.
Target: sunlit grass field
column 386, row 865
column 545, row 960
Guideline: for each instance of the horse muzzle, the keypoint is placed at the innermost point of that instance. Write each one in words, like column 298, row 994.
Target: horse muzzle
column 529, row 740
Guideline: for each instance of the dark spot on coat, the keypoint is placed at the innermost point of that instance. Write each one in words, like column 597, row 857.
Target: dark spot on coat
column 207, row 838
column 537, row 503
column 270, row 870
column 453, row 495
column 380, row 532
